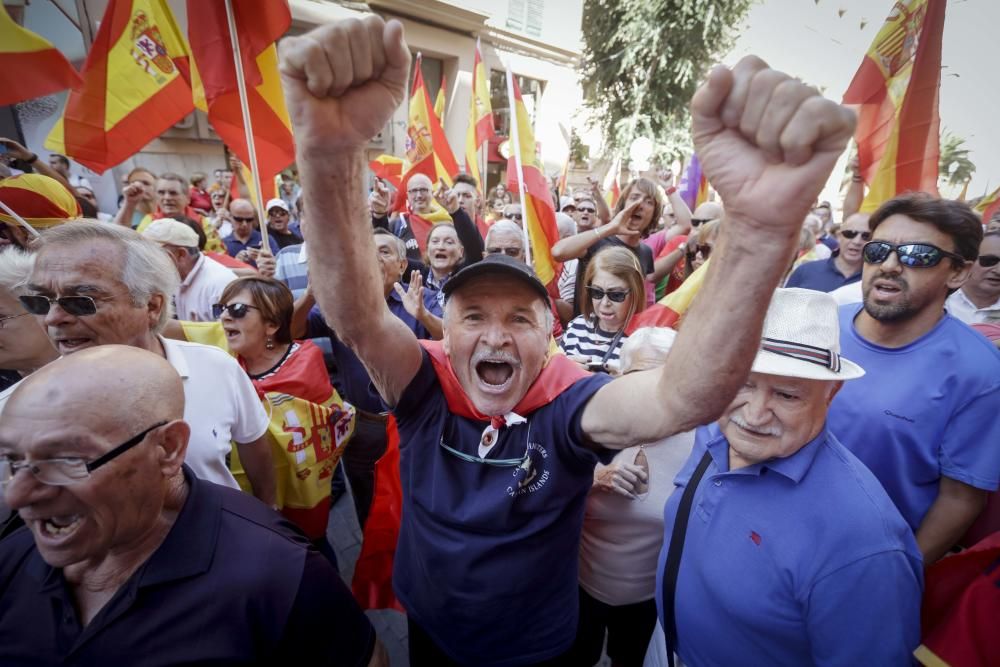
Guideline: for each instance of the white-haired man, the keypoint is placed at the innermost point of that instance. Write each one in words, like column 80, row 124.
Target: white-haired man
column 498, row 442
column 777, row 531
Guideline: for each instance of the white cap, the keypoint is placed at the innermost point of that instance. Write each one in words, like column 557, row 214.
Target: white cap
column 168, row 231
column 802, row 338
column 277, row 202
column 565, row 201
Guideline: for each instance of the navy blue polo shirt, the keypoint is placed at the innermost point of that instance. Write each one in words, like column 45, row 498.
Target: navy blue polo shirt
column 821, row 275
column 802, row 560
column 487, row 556
column 234, row 245
column 233, row 583
column 353, row 378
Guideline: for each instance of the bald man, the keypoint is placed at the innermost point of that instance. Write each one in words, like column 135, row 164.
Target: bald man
column 127, row 557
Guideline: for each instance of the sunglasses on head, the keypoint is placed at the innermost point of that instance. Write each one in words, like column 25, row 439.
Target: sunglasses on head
column 596, row 293
column 913, row 255
column 76, row 306
column 852, row 233
column 986, row 261
column 703, row 248
column 237, row 311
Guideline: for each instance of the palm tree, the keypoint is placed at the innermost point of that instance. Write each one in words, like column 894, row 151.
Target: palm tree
column 955, row 169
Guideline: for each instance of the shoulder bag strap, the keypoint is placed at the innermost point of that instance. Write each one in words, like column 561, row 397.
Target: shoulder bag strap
column 673, row 564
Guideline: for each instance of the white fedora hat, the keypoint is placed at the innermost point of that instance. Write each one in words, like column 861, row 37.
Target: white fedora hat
column 802, row 338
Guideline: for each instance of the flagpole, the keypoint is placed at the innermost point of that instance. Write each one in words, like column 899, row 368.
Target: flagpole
column 21, row 221
column 247, row 124
column 517, row 162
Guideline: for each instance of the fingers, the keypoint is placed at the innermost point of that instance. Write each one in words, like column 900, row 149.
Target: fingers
column 638, row 471
column 743, row 74
column 773, row 102
column 818, row 125
column 400, row 292
column 397, row 54
column 707, row 101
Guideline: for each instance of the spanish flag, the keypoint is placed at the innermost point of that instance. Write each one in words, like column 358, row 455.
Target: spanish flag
column 480, row 119
column 612, row 188
column 30, row 66
column 989, row 205
column 897, row 88
column 427, row 149
column 536, row 207
column 43, row 202
column 439, row 101
column 135, row 86
column 670, row 310
column 389, row 168
column 258, row 26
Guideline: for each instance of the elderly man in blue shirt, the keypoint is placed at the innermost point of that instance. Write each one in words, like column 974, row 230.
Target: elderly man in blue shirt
column 779, row 540
column 498, row 438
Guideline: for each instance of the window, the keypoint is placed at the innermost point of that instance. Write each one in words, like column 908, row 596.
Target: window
column 525, row 16
column 531, row 92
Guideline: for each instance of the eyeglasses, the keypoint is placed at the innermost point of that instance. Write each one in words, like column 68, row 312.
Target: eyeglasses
column 11, row 317
column 698, row 221
column 851, row 233
column 586, row 209
column 617, row 296
column 65, row 471
column 77, row 306
column 495, row 463
column 704, row 248
column 510, row 252
column 913, row 255
column 419, row 191
column 239, row 219
column 985, row 261
column 237, row 311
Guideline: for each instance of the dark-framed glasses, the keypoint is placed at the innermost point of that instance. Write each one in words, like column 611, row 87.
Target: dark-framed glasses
column 704, row 248
column 242, row 219
column 237, row 311
column 615, row 295
column 65, row 471
column 586, row 209
column 510, row 252
column 36, row 304
column 985, row 261
column 700, row 221
column 852, row 233
column 10, row 317
column 913, row 255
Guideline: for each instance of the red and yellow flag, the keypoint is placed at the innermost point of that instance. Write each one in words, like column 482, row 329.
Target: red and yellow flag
column 258, row 26
column 439, row 101
column 30, row 66
column 612, row 188
column 389, row 168
column 427, row 149
column 989, row 205
column 539, row 217
column 670, row 310
column 480, row 119
column 897, row 88
column 42, row 201
column 135, row 86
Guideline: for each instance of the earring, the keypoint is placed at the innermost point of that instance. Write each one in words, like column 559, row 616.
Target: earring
column 269, row 343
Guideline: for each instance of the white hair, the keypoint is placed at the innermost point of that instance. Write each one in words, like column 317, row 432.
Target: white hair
column 506, row 226
column 147, row 269
column 566, row 224
column 15, row 269
column 397, row 243
column 645, row 343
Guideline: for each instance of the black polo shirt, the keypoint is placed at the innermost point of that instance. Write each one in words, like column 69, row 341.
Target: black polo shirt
column 232, row 584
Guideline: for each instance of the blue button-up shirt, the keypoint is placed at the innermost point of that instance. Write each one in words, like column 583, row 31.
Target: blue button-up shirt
column 795, row 561
column 821, row 275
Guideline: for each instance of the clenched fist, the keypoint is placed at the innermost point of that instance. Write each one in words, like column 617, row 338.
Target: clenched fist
column 767, row 143
column 343, row 81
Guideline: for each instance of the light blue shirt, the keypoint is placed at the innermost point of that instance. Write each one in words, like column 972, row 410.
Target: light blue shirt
column 922, row 411
column 796, row 561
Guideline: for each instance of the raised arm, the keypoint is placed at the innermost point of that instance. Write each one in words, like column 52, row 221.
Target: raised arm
column 342, row 83
column 577, row 245
column 767, row 144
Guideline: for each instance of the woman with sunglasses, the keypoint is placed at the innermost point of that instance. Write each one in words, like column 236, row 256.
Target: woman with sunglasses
column 699, row 246
column 289, row 376
column 614, row 294
column 623, row 529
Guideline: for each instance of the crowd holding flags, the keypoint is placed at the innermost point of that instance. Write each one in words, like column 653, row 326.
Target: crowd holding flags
column 897, row 88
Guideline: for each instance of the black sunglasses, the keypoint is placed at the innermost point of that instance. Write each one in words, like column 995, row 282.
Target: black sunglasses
column 986, row 261
column 239, row 219
column 596, row 293
column 703, row 248
column 510, row 252
column 698, row 221
column 76, row 306
column 237, row 311
column 913, row 255
column 851, row 233
column 586, row 209
column 514, row 216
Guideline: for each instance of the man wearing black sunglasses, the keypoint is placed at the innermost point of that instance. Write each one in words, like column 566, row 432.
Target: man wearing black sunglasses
column 498, row 439
column 924, row 418
column 978, row 300
column 843, row 267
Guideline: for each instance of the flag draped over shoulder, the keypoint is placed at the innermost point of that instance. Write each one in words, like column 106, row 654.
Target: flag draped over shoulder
column 30, row 66
column 693, row 187
column 136, row 85
column 897, row 88
column 480, row 120
column 427, row 149
column 258, row 26
column 668, row 311
column 539, row 216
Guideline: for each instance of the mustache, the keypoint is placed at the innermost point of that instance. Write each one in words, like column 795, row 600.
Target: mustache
column 496, row 357
column 762, row 430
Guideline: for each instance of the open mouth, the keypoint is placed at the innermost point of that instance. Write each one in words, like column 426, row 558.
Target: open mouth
column 68, row 345
column 886, row 289
column 495, row 374
column 59, row 526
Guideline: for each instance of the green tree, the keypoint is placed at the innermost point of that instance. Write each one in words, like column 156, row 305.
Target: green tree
column 954, row 166
column 644, row 59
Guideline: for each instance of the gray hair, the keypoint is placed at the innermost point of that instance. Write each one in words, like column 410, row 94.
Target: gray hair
column 566, row 224
column 147, row 269
column 504, row 225
column 646, row 342
column 15, row 269
column 397, row 243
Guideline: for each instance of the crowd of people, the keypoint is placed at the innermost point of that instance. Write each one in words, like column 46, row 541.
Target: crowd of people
column 186, row 390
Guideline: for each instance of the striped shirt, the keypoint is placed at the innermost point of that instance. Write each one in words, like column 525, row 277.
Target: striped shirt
column 583, row 339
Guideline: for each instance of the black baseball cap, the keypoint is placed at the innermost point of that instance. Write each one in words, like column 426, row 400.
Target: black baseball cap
column 497, row 265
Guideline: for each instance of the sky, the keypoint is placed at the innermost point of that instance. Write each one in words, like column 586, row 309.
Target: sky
column 808, row 39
